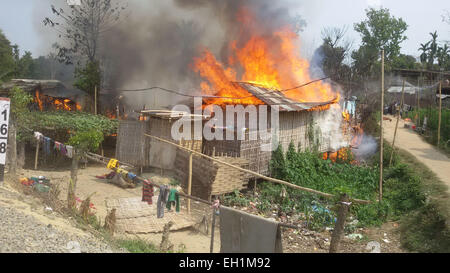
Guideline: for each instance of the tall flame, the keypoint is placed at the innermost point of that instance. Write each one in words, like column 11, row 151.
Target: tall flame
column 270, row 60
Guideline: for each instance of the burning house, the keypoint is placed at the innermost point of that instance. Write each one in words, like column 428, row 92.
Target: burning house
column 305, row 124
column 48, row 94
column 257, row 62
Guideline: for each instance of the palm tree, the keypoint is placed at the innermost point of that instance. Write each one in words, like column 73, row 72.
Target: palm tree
column 424, row 48
column 443, row 55
column 433, row 48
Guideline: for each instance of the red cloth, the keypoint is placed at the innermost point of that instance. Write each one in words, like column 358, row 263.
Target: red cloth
column 147, row 192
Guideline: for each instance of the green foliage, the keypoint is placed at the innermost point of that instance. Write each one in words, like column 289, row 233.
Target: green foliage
column 277, row 164
column 89, row 77
column 86, row 140
column 138, row 246
column 379, row 31
column 426, row 230
column 236, row 199
column 7, row 63
column 20, row 112
column 73, row 121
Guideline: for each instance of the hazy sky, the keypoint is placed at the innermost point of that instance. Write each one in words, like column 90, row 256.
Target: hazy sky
column 21, row 20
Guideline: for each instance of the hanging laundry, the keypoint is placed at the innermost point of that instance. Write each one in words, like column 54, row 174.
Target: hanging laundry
column 69, row 151
column 57, row 145
column 162, row 200
column 241, row 232
column 174, row 198
column 38, row 136
column 147, row 192
column 63, row 150
column 47, row 143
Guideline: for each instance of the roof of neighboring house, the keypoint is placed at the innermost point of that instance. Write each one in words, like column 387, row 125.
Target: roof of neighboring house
column 169, row 114
column 52, row 88
column 274, row 97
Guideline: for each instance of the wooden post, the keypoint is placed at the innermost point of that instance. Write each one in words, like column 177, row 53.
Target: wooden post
column 213, row 226
column 340, row 224
column 37, row 155
column 396, row 125
column 74, row 169
column 440, row 113
column 418, row 103
column 381, row 126
column 189, row 183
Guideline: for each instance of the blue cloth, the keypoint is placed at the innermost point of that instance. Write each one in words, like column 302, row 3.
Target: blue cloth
column 131, row 176
column 47, row 144
column 351, row 107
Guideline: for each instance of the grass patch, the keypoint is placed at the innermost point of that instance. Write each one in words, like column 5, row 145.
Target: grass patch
column 427, row 229
column 137, row 246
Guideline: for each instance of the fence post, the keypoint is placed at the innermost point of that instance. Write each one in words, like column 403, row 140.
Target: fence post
column 213, row 226
column 36, row 155
column 440, row 114
column 338, row 231
column 189, row 183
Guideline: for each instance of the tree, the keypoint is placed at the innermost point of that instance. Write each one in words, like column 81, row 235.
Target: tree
column 334, row 51
column 26, row 67
column 380, row 31
column 424, row 49
column 88, row 78
column 82, row 27
column 432, row 49
column 299, row 23
column 7, row 64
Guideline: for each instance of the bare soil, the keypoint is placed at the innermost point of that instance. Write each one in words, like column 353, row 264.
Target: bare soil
column 197, row 239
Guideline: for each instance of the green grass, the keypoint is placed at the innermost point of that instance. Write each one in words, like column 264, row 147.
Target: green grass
column 137, row 246
column 427, row 229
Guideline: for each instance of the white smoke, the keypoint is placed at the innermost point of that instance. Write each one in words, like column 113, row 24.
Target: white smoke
column 366, row 149
column 329, row 122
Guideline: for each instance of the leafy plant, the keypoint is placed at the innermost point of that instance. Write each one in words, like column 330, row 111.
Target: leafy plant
column 86, row 140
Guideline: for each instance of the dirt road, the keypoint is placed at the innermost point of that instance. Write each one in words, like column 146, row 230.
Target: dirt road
column 410, row 141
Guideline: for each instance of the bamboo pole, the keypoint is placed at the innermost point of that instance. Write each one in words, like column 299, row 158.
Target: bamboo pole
column 418, row 104
column 189, row 184
column 440, row 113
column 36, row 156
column 274, row 180
column 396, row 125
column 381, row 127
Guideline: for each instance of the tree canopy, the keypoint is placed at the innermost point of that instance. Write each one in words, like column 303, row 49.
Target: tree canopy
column 379, row 31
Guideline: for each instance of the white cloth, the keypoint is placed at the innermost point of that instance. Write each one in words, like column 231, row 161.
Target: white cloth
column 38, row 136
column 69, row 151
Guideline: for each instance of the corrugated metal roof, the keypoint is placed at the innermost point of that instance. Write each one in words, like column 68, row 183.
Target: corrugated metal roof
column 273, row 97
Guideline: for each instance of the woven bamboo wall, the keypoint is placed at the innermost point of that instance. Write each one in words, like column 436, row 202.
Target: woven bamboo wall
column 131, row 144
column 210, row 178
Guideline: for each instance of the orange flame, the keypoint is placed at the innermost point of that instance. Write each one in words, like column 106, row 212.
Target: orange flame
column 58, row 104
column 272, row 61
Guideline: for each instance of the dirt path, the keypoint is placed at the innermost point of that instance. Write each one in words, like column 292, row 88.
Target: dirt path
column 410, row 141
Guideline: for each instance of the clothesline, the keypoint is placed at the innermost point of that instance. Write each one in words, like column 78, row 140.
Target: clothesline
column 65, row 150
column 96, row 158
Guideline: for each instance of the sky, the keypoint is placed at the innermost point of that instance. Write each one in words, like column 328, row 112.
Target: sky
column 21, row 21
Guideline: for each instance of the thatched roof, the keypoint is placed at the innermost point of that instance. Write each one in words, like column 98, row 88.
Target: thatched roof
column 52, row 88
